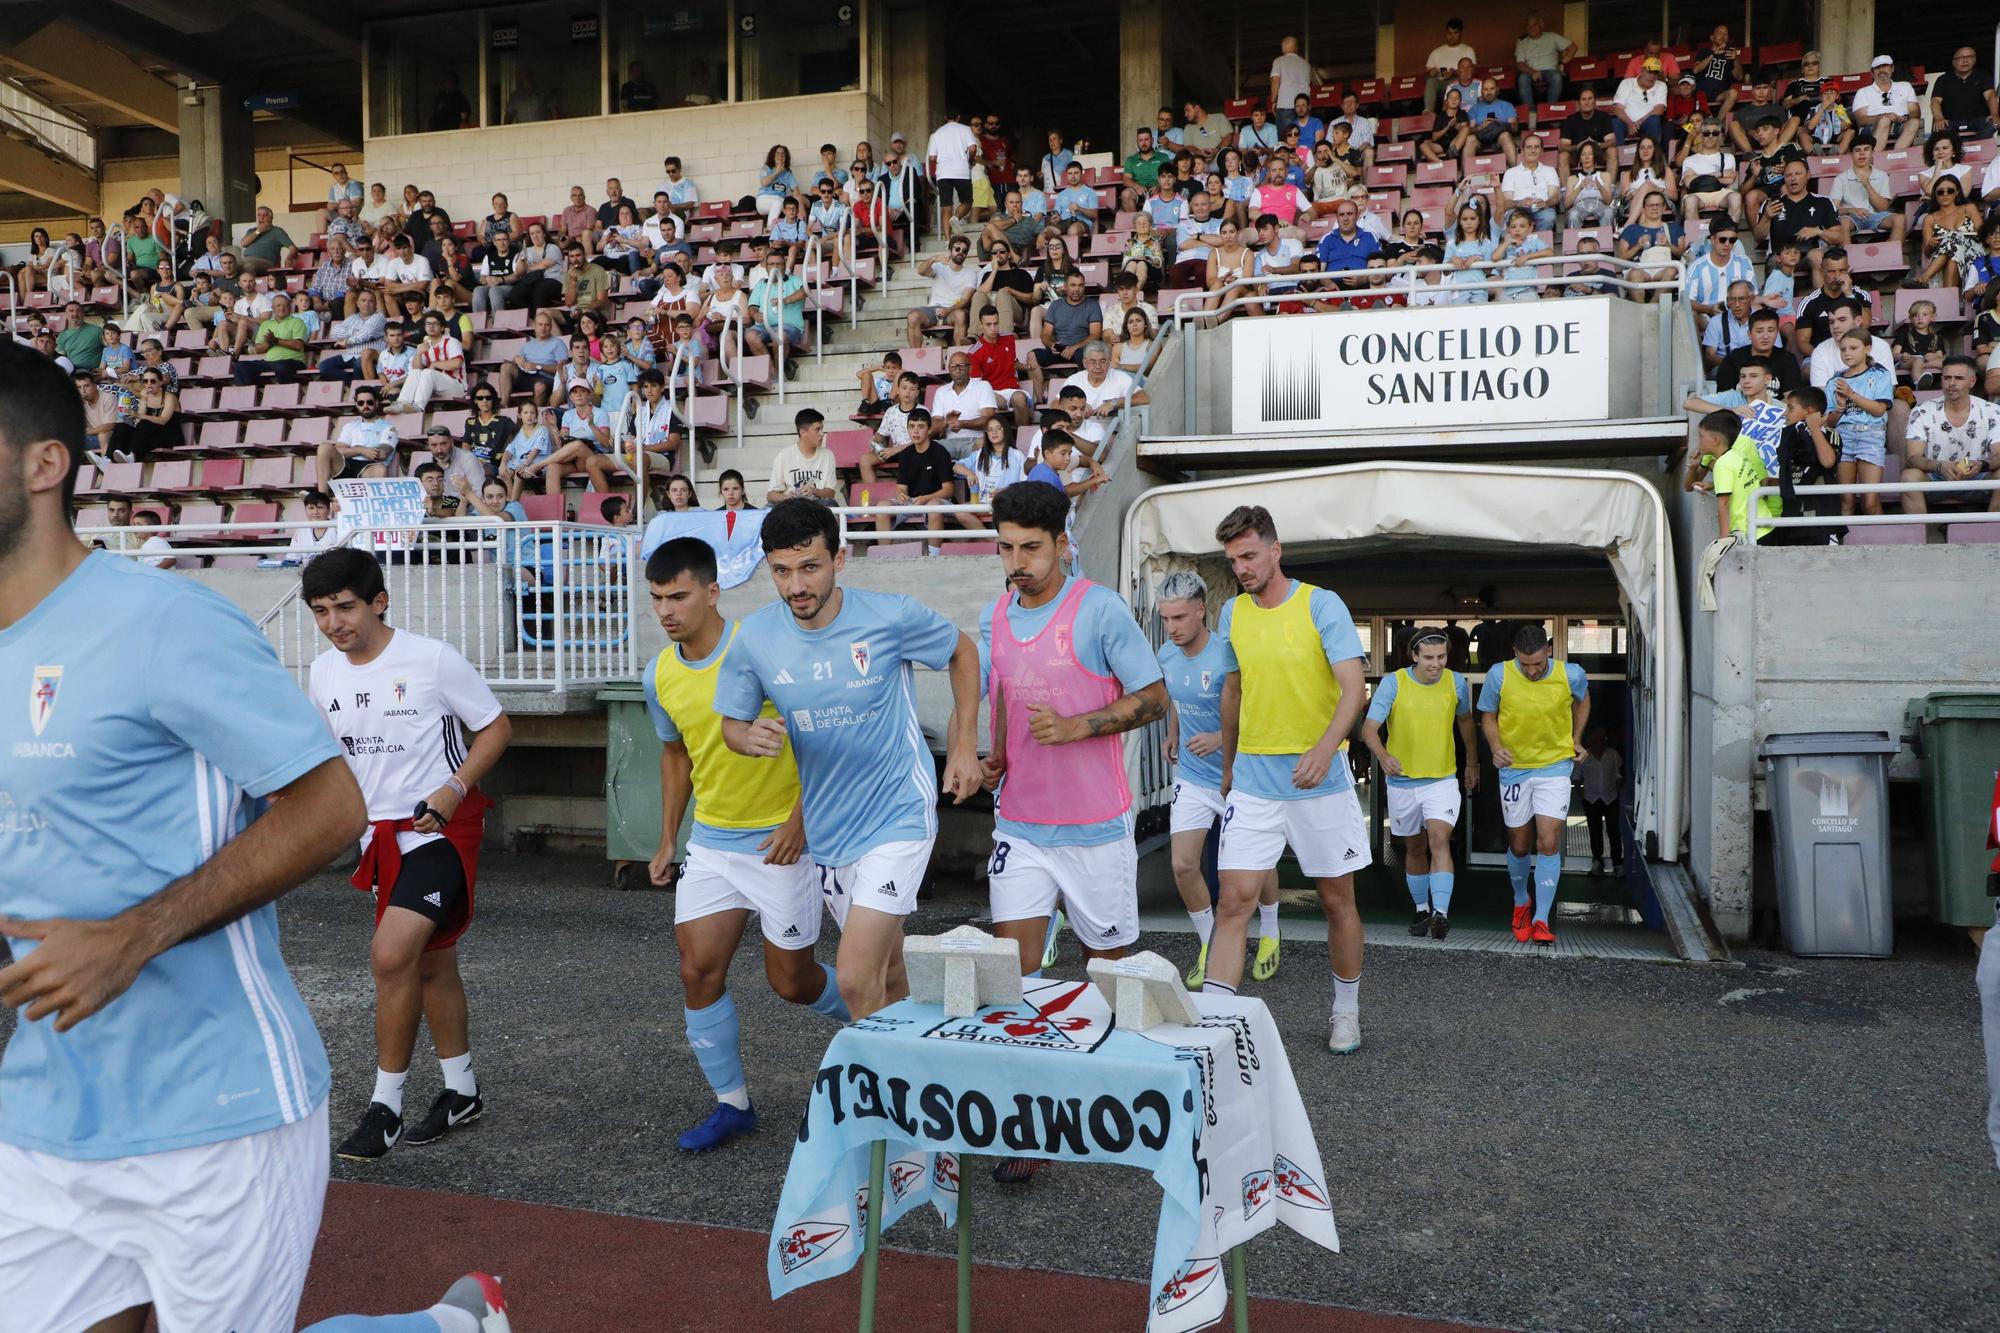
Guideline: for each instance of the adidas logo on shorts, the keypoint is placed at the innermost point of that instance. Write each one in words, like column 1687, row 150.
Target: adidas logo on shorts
column 1353, row 855
column 435, row 898
column 791, row 933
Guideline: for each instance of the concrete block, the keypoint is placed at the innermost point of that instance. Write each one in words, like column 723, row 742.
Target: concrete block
column 1144, row 991
column 965, row 970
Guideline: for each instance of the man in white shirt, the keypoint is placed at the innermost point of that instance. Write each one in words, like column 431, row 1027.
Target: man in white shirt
column 962, row 408
column 1953, row 438
column 1275, row 253
column 159, row 552
column 1360, row 128
column 1887, row 107
column 1291, row 75
column 1709, row 177
column 953, row 281
column 950, row 153
column 806, row 467
column 682, row 194
column 664, row 232
column 306, row 542
column 406, row 271
column 1441, row 65
column 1843, row 315
column 1600, row 773
column 1531, row 184
column 1640, row 105
column 363, row 446
column 1105, row 391
column 1861, row 194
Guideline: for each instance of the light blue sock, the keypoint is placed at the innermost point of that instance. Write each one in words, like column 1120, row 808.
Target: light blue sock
column 1517, row 871
column 829, row 1002
column 1420, row 890
column 1548, row 869
column 714, row 1033
column 1441, row 892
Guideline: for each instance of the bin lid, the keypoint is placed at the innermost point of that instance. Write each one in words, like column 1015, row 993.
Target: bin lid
column 1976, row 705
column 622, row 692
column 1828, row 742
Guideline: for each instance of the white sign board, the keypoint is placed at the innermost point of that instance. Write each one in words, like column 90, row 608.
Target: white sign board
column 387, row 504
column 1439, row 366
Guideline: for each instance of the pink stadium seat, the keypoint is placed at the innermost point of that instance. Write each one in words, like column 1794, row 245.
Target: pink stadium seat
column 218, row 436
column 221, row 474
column 212, row 368
column 1403, row 88
column 237, row 400
column 1406, row 127
column 171, row 476
column 1239, row 108
column 122, row 478
column 908, row 549
column 267, row 474
column 197, row 400
column 89, row 481
column 1876, row 257
column 1886, row 534
column 711, row 411
column 264, row 433
column 200, row 514
column 1386, row 176
column 1394, row 152
column 849, row 445
column 590, row 507
column 1972, row 533
column 543, row 508
column 971, row 548
column 1437, row 173
column 280, row 398
column 258, row 512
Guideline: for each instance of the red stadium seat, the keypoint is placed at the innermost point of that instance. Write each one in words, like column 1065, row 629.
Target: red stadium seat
column 849, row 445
column 1239, row 108
column 590, row 507
column 543, row 508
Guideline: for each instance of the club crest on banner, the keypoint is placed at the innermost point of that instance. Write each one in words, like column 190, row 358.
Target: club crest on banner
column 1190, row 1280
column 1297, row 1188
column 807, row 1242
column 905, row 1175
column 944, row 1172
column 1046, row 1020
column 1256, row 1193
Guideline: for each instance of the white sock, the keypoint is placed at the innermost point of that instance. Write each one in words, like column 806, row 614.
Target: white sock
column 458, row 1074
column 738, row 1098
column 1204, row 922
column 1267, row 920
column 452, row 1319
column 1346, row 995
column 389, row 1089
column 1214, row 987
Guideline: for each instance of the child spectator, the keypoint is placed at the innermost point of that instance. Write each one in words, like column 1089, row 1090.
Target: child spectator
column 1519, row 244
column 1735, row 475
column 1470, row 247
column 528, row 452
column 1807, row 456
column 1590, row 268
column 1859, row 395
column 878, row 384
column 1919, row 347
column 1781, row 283
column 788, row 233
column 1828, row 124
column 1713, row 438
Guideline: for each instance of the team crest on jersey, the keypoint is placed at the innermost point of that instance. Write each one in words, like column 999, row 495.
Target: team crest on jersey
column 1190, row 1280
column 1297, row 1188
column 402, row 688
column 42, row 695
column 1256, row 1193
column 1207, row 677
column 1046, row 1020
column 806, row 1242
column 858, row 651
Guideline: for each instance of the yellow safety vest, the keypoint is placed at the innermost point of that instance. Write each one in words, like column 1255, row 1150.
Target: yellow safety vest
column 731, row 791
column 1535, row 719
column 1289, row 692
column 1420, row 723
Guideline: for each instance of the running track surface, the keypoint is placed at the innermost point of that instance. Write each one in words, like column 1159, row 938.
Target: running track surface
column 383, row 1249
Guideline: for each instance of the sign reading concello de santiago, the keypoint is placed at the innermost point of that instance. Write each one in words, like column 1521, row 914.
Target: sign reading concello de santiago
column 1460, row 365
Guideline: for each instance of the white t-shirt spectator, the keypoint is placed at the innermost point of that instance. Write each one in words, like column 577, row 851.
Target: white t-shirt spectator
column 1898, row 99
column 1848, row 193
column 948, row 284
column 1698, row 165
column 312, row 539
column 1943, row 442
column 969, row 402
column 1826, row 363
column 1447, row 57
column 1637, row 101
column 159, row 552
column 791, row 470
column 1116, row 387
column 952, row 144
column 1989, row 184
column 1294, row 75
column 464, row 466
column 657, row 228
column 417, row 269
column 376, row 434
column 1537, row 187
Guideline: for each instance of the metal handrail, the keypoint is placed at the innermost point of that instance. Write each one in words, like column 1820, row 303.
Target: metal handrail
column 13, row 301
column 1758, row 496
column 65, row 262
column 906, row 182
column 764, row 317
column 849, row 241
column 730, row 316
column 815, row 282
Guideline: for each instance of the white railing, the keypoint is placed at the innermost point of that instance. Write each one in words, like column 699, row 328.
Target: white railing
column 124, row 278
column 533, row 606
column 778, row 329
column 13, row 302
column 1886, row 488
column 857, row 523
column 906, row 185
column 63, row 270
column 848, row 242
column 731, row 316
column 813, row 262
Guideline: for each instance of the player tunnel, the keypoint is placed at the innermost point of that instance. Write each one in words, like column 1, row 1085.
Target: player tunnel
column 1476, row 551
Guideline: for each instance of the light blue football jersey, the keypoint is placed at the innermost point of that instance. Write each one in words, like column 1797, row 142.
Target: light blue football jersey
column 1195, row 686
column 150, row 719
column 846, row 694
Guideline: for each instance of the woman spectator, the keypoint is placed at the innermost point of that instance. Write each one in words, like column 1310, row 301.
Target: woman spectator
column 148, row 419
column 578, row 222
column 1467, row 251
column 775, row 183
column 1057, row 264
column 1409, row 238
column 734, row 495
column 1134, row 346
column 1653, row 240
column 1586, row 199
column 496, row 276
column 501, row 221
column 156, row 311
column 1951, row 234
column 620, row 248
column 1237, row 187
column 680, row 497
column 1142, row 252
column 41, row 256
column 439, row 368
column 716, row 316
column 1648, row 174
column 996, row 466
column 674, row 296
column 1445, row 140
column 453, row 270
column 376, row 209
column 590, row 327
column 536, row 267
column 1228, row 264
column 1942, row 152
column 153, row 357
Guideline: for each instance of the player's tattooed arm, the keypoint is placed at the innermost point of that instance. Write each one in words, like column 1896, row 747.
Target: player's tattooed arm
column 1125, row 713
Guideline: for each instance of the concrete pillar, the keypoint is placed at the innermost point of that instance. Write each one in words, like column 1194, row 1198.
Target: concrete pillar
column 1576, row 24
column 1846, row 31
column 1145, row 72
column 218, row 155
column 913, row 85
column 1385, row 51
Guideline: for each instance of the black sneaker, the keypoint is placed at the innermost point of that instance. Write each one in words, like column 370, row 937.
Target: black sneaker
column 750, row 407
column 1440, row 925
column 1422, row 925
column 448, row 1112
column 371, row 1140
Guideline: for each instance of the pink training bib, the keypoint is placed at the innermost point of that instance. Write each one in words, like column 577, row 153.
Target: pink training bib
column 1079, row 783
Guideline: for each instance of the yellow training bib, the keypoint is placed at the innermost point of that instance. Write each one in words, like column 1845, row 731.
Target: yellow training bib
column 731, row 791
column 1535, row 718
column 1289, row 691
column 1420, row 723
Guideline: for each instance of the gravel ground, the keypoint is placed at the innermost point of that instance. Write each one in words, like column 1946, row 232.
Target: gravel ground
column 1526, row 1142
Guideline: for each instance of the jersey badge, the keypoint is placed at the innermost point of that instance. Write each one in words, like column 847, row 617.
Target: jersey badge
column 858, row 650
column 48, row 683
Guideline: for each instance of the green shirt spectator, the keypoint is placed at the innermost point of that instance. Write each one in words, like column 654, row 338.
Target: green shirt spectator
column 1144, row 166
column 81, row 341
column 267, row 246
column 290, row 327
column 142, row 253
column 1737, row 474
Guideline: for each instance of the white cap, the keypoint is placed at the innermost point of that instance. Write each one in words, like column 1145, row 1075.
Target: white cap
column 1880, row 61
column 899, row 135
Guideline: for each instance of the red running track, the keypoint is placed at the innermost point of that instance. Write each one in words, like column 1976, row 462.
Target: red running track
column 384, row 1249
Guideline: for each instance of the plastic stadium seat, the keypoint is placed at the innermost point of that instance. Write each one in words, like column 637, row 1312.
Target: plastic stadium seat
column 221, row 474
column 263, row 511
column 1876, row 257
column 281, row 397
column 849, row 445
column 1386, row 176
column 1395, row 152
column 197, row 401
column 1886, row 534
column 1973, row 533
column 1406, row 127
column 543, row 508
column 171, row 476
column 971, row 548
column 122, row 478
column 907, row 549
column 1437, row 173
column 264, row 433
column 1239, row 108
column 219, row 436
column 1403, row 88
column 1781, row 53
column 267, row 474
column 590, row 507
column 89, row 481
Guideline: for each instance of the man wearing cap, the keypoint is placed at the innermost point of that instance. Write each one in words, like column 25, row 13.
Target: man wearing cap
column 1640, row 105
column 1887, row 107
column 458, row 464
column 892, row 175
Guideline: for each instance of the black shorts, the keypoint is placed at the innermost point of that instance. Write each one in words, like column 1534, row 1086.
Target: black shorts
column 432, row 884
column 950, row 191
column 353, row 465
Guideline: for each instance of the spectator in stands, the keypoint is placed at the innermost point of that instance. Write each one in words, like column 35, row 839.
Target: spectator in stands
column 1493, row 124
column 495, row 274
column 279, row 349
column 996, row 465
column 1982, row 275
column 1531, row 184
column 406, row 271
column 1338, row 171
column 1652, row 241
column 439, row 371
column 828, row 219
column 1827, row 123
column 1848, row 315
column 100, row 415
column 584, row 443
column 1797, row 214
column 536, row 365
column 663, row 235
column 578, row 221
column 1347, row 248
column 1764, row 174
column 727, row 305
column 961, row 408
column 1962, row 98
column 1126, row 295
column 1450, row 130
column 953, row 282
column 673, row 296
column 621, row 245
column 98, row 263
column 948, row 156
column 923, row 477
column 1887, row 108
column 1075, row 205
column 487, row 433
column 266, row 245
column 1518, row 244
column 1469, row 247
column 1920, row 347
column 1649, row 174
column 1587, row 198
column 1142, row 170
column 528, row 453
column 365, row 442
column 1132, row 352
column 345, row 223
column 1951, row 234
column 80, row 340
column 1862, row 198
column 456, row 321
column 1260, row 135
column 451, row 272
column 1640, row 104
column 1858, row 398
column 1143, row 258
column 892, row 434
column 376, row 208
column 1441, row 65
column 1106, row 392
column 1291, row 78
column 1011, row 228
column 1538, row 61
column 1762, row 106
column 1229, row 262
column 1954, row 437
column 353, row 336
column 1710, row 277
column 1941, row 154
column 149, row 421
column 537, row 265
column 995, row 361
column 805, row 468
column 142, row 257
column 1730, row 328
column 1278, row 196
column 584, row 286
column 1717, row 69
column 1709, row 178
column 1815, row 312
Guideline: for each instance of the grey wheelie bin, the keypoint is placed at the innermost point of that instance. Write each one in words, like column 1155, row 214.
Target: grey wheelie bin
column 1829, row 795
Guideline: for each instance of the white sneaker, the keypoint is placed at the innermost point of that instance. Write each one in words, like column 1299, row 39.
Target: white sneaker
column 122, row 456
column 99, row 457
column 1343, row 1035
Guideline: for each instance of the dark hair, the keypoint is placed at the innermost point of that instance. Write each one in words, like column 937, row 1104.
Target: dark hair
column 1762, row 315
column 612, row 507
column 1531, row 638
column 731, row 474
column 425, row 469
column 789, row 524
column 343, row 569
column 1055, row 437
column 1031, row 504
column 1763, row 363
column 1851, row 304
column 1806, row 396
column 1722, row 424
column 318, row 498
column 807, row 416
column 651, row 377
column 39, row 402
column 1969, row 362
column 1070, row 391
column 1245, row 519
column 681, row 555
column 922, row 414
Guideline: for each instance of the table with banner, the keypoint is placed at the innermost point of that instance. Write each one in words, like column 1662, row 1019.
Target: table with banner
column 1211, row 1111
